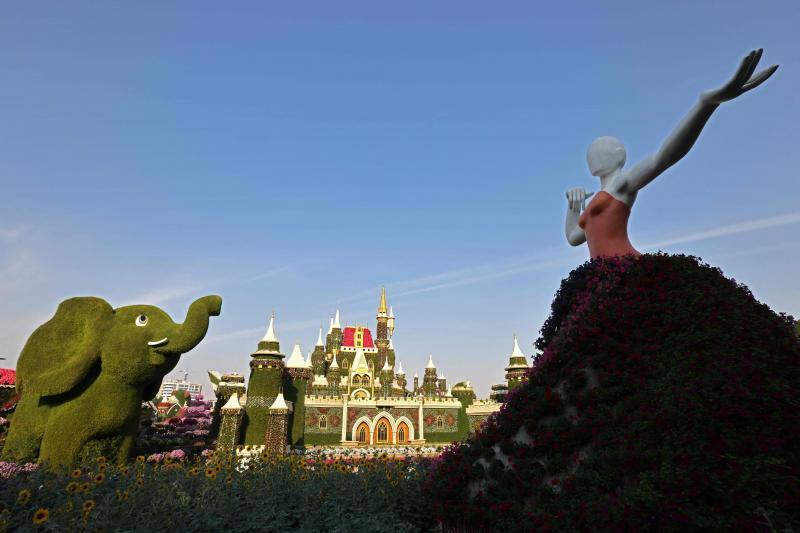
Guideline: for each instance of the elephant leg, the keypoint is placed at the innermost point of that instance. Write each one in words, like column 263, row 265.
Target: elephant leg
column 27, row 428
column 63, row 440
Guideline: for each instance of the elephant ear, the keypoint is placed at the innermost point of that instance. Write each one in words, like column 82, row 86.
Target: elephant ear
column 61, row 352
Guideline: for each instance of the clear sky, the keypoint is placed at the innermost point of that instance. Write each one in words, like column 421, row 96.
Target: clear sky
column 298, row 158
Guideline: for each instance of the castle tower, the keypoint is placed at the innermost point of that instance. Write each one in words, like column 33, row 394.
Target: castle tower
column 390, row 323
column 401, row 376
column 334, row 378
column 277, row 427
column 298, row 373
column 429, row 380
column 334, row 339
column 387, row 377
column 231, row 421
column 442, row 381
column 383, row 321
column 318, row 355
column 465, row 394
column 517, row 369
column 416, row 383
column 266, row 377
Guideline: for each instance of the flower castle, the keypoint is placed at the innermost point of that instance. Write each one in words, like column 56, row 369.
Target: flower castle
column 351, row 390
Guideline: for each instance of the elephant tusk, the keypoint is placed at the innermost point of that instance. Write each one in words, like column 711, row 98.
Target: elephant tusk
column 165, row 340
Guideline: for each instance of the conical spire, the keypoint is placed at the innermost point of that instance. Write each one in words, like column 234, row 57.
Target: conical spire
column 360, row 361
column 269, row 336
column 309, row 364
column 391, row 312
column 336, row 323
column 319, row 338
column 334, row 364
column 430, row 362
column 296, row 358
column 400, row 369
column 279, row 403
column 517, row 352
column 330, row 328
column 382, row 305
column 391, row 346
column 386, row 367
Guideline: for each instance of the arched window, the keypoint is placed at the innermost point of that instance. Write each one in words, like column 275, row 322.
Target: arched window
column 323, row 422
column 401, row 434
column 383, row 432
column 365, row 381
column 362, row 434
column 346, row 364
column 356, row 381
column 439, row 422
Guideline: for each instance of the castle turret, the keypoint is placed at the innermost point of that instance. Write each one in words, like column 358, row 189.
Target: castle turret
column 266, row 377
column 517, row 369
column 334, row 378
column 429, row 380
column 297, row 376
column 278, row 426
column 387, row 378
column 401, row 376
column 334, row 340
column 416, row 383
column 318, row 355
column 390, row 324
column 231, row 421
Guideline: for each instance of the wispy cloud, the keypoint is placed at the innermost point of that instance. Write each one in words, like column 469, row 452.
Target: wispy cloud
column 730, row 229
column 12, row 234
column 256, row 333
column 270, row 273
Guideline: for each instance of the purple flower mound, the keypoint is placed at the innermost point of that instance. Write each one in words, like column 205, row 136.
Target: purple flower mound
column 667, row 398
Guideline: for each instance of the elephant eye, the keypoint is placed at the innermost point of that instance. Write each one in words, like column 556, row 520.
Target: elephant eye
column 141, row 320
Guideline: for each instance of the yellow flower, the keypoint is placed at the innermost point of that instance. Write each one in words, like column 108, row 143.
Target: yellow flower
column 101, row 459
column 40, row 516
column 303, row 477
column 211, row 472
column 77, row 472
column 168, row 459
column 99, row 478
column 69, row 506
column 122, row 496
column 124, row 470
column 194, row 471
column 140, row 458
column 72, row 486
column 229, row 480
column 88, row 505
column 139, row 481
column 85, row 487
column 24, row 496
column 102, row 468
column 211, row 454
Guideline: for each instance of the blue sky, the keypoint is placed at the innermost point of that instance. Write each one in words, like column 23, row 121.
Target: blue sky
column 298, row 158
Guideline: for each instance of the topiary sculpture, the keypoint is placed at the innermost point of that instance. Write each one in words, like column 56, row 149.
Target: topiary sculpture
column 83, row 375
column 666, row 399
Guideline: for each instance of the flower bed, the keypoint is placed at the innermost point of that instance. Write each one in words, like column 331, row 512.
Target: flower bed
column 666, row 398
column 215, row 492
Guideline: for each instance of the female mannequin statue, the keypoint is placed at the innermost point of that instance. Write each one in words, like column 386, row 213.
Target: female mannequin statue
column 604, row 223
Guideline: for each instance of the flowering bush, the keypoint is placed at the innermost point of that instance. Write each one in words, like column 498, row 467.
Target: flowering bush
column 666, row 398
column 9, row 470
column 187, row 430
column 8, row 377
column 270, row 493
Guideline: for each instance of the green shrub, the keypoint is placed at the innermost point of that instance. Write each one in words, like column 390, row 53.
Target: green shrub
column 666, row 399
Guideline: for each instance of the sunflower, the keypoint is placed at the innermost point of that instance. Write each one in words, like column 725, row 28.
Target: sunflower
column 88, row 505
column 24, row 496
column 122, row 496
column 303, row 477
column 140, row 481
column 102, row 467
column 140, row 458
column 168, row 459
column 194, row 471
column 72, row 486
column 99, row 478
column 85, row 487
column 41, row 515
column 211, row 472
column 123, row 470
column 229, row 479
column 101, row 459
column 211, row 454
column 76, row 473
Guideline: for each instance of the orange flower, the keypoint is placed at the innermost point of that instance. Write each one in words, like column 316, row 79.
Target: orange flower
column 88, row 505
column 24, row 496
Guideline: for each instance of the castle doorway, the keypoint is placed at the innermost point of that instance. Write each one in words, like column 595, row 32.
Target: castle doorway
column 362, row 433
column 383, row 432
column 402, row 433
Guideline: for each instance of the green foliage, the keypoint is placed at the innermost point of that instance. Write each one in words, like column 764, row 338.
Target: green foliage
column 84, row 373
column 263, row 388
column 274, row 494
column 666, row 399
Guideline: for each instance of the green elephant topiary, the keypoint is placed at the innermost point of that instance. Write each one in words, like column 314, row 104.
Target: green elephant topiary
column 83, row 375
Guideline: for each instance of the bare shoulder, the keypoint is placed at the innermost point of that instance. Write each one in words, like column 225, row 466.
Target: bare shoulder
column 620, row 188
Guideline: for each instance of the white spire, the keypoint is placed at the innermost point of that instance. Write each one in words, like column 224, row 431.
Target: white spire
column 233, row 402
column 517, row 352
column 391, row 312
column 400, row 369
column 309, row 364
column 334, row 364
column 269, row 336
column 416, row 376
column 449, row 393
column 430, row 362
column 319, row 338
column 330, row 328
column 386, row 366
column 336, row 323
column 296, row 359
column 391, row 346
column 279, row 403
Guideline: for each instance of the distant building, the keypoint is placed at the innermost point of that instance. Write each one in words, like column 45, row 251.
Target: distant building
column 169, row 386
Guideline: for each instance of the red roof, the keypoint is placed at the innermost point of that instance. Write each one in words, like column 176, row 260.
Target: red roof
column 349, row 338
column 7, row 376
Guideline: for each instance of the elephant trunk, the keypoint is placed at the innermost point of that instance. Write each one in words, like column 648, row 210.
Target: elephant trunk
column 194, row 328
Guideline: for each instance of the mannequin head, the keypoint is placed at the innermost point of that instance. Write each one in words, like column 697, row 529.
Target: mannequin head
column 605, row 155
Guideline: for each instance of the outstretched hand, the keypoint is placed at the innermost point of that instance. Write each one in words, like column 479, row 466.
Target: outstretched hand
column 742, row 81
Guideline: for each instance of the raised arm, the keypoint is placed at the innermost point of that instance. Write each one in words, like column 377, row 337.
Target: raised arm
column 683, row 137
